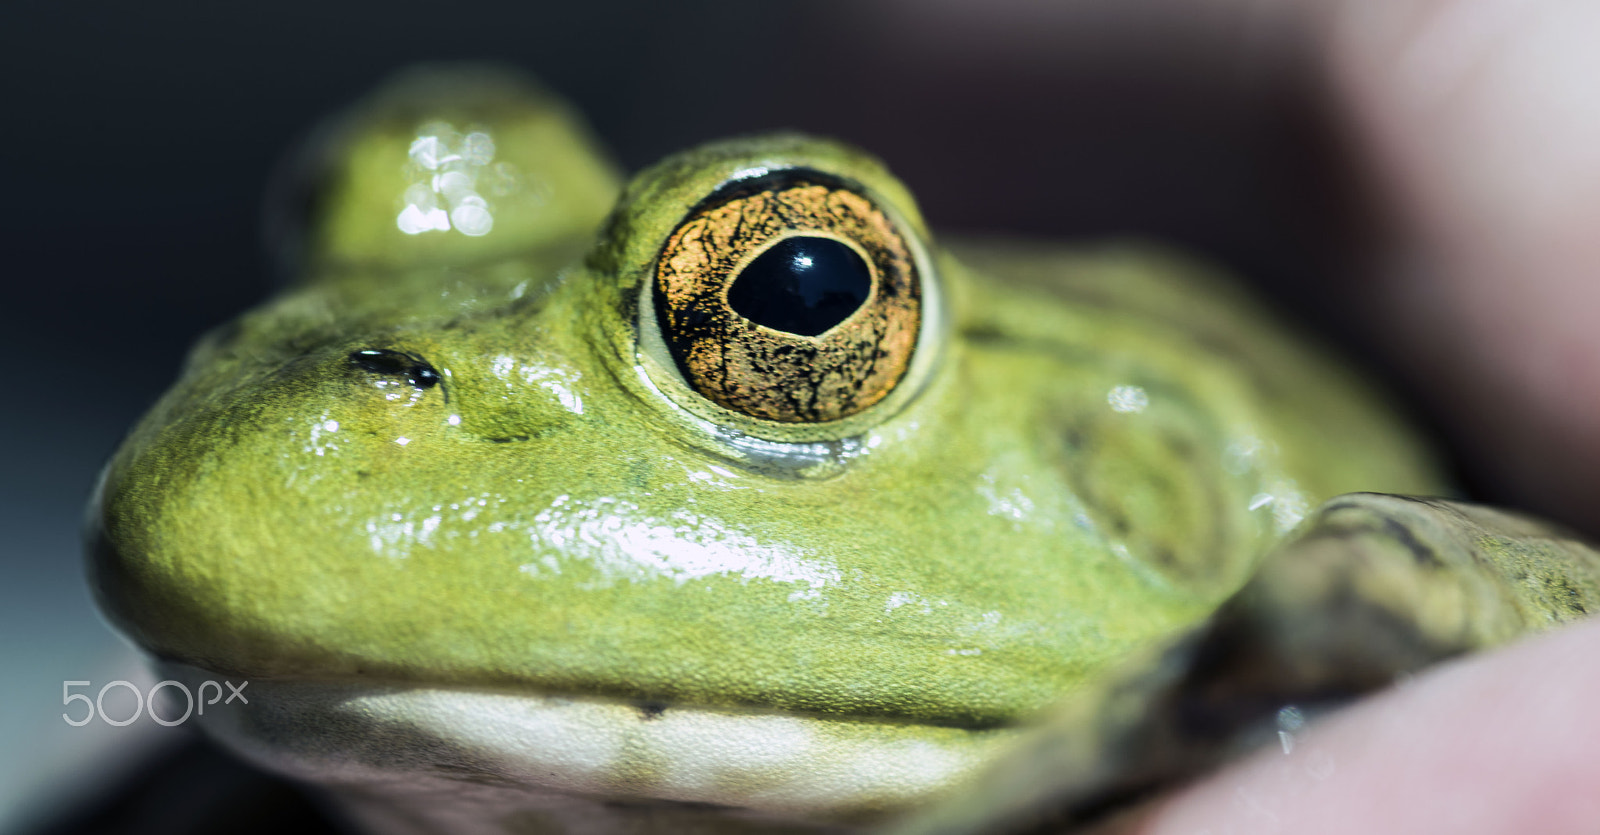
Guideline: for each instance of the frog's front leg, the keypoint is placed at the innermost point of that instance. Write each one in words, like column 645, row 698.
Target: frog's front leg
column 1373, row 586
column 1370, row 588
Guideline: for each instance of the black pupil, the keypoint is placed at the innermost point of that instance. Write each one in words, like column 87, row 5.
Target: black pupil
column 803, row 285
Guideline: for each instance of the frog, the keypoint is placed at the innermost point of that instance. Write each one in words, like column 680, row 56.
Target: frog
column 724, row 498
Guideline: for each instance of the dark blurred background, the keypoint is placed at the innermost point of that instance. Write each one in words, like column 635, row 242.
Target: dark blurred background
column 139, row 137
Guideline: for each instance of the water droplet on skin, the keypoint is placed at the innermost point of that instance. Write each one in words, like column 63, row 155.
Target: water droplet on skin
column 413, row 221
column 425, row 151
column 477, row 148
column 1128, row 399
column 472, row 221
column 1290, row 719
column 454, row 185
column 444, row 132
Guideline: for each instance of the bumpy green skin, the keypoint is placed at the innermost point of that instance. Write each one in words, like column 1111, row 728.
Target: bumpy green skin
column 545, row 519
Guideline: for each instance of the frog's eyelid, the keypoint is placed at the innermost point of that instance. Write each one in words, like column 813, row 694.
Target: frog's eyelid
column 757, row 180
column 417, row 371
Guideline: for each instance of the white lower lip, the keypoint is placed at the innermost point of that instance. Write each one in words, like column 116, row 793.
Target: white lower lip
column 508, row 753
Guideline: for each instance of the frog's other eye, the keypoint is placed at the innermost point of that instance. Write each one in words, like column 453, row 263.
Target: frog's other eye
column 414, row 370
column 791, row 298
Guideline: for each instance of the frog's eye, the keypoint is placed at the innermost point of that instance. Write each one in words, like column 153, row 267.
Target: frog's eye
column 791, row 298
column 414, row 370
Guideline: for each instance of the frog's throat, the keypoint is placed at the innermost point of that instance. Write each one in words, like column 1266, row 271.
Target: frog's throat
column 449, row 753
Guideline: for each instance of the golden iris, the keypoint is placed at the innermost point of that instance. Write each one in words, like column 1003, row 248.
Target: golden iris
column 791, row 298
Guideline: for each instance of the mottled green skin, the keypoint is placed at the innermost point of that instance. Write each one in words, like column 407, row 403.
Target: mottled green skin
column 988, row 539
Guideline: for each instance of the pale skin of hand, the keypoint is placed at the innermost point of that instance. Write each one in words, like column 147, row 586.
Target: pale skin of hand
column 1481, row 122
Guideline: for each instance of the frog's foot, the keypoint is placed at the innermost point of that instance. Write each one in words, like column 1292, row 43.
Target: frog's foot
column 1371, row 588
column 408, row 759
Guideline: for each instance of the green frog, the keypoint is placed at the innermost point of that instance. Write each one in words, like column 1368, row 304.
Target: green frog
column 724, row 499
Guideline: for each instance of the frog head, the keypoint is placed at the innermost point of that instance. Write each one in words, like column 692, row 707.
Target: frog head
column 732, row 489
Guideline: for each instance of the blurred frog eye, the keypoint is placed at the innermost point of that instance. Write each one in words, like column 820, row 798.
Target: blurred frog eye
column 790, row 297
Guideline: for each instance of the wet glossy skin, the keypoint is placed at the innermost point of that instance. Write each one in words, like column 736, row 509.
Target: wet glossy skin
column 516, row 489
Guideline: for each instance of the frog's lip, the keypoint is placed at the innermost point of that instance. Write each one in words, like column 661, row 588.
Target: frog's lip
column 429, row 742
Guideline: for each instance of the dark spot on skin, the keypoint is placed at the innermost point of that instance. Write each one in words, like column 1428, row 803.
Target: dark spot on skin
column 1564, row 594
column 474, row 773
column 508, row 439
column 651, row 710
column 362, row 474
column 640, row 472
column 1420, row 551
column 1115, row 517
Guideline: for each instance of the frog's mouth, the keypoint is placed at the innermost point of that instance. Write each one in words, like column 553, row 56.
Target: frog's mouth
column 405, row 746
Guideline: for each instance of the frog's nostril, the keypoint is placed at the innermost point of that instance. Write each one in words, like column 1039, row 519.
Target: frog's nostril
column 414, row 369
